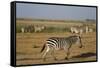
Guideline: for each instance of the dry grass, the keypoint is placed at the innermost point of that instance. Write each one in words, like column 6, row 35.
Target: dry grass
column 46, row 23
column 30, row 44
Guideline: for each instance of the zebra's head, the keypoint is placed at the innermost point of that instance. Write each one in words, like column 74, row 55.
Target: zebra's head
column 75, row 39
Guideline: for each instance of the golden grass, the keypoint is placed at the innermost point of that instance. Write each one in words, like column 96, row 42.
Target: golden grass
column 29, row 45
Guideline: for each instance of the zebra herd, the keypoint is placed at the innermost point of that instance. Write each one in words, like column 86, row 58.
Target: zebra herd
column 59, row 43
column 40, row 28
column 80, row 30
column 32, row 28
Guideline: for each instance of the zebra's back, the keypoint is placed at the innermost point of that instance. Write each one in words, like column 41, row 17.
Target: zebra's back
column 61, row 42
column 57, row 42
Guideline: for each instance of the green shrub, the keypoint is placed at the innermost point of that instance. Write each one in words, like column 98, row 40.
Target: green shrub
column 56, row 29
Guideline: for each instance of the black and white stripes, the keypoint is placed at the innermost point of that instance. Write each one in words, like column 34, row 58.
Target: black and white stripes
column 58, row 43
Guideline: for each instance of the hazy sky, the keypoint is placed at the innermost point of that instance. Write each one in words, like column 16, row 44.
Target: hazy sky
column 41, row 11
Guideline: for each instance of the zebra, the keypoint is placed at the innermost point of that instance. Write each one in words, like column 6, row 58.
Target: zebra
column 90, row 30
column 60, row 43
column 87, row 29
column 38, row 28
column 76, row 30
column 22, row 30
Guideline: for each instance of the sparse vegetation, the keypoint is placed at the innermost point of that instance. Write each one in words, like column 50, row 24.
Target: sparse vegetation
column 29, row 44
column 35, row 46
column 51, row 26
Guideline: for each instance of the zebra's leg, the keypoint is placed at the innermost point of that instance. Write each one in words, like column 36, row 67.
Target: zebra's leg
column 52, row 53
column 67, row 52
column 45, row 53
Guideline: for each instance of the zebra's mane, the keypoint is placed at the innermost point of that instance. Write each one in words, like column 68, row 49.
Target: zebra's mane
column 66, row 37
column 73, row 36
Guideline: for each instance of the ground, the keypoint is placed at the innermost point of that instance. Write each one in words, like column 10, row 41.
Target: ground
column 28, row 46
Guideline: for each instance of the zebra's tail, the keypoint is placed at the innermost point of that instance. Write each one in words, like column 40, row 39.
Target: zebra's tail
column 42, row 48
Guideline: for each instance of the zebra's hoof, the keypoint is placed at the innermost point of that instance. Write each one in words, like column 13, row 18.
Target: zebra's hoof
column 55, row 59
column 66, row 58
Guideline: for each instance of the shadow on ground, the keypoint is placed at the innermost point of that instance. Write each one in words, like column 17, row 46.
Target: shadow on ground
column 85, row 55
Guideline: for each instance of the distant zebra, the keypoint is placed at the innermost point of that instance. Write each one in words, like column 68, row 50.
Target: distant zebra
column 22, row 30
column 90, row 30
column 38, row 28
column 76, row 30
column 58, row 43
column 87, row 29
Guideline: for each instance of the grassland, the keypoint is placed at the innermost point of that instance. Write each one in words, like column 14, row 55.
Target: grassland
column 28, row 45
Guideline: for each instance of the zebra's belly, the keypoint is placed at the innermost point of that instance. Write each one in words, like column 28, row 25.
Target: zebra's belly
column 59, row 48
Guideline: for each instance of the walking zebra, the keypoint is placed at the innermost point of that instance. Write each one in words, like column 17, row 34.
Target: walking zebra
column 58, row 43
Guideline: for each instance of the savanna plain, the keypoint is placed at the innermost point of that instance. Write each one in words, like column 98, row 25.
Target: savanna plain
column 29, row 44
